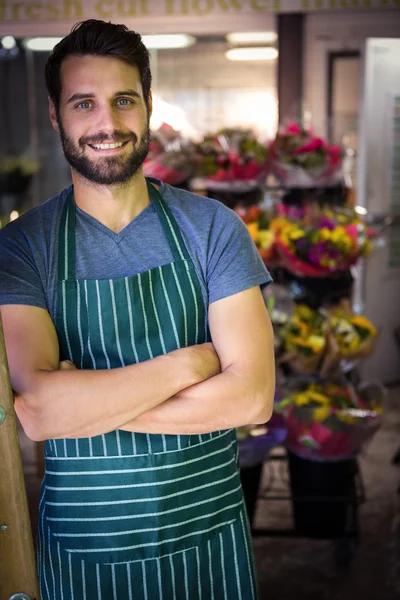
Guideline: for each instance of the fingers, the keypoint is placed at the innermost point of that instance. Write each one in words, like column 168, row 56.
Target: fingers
column 66, row 365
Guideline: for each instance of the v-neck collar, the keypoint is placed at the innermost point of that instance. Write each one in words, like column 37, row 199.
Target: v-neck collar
column 117, row 237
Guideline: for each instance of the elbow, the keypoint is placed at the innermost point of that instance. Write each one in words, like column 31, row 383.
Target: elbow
column 263, row 404
column 263, row 414
column 30, row 418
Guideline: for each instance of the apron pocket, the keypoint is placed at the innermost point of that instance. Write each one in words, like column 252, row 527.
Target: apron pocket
column 120, row 509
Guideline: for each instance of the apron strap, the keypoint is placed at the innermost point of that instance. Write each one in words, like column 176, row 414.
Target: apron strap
column 169, row 224
column 66, row 245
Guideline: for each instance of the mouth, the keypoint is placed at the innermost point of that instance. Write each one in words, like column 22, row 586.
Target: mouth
column 110, row 147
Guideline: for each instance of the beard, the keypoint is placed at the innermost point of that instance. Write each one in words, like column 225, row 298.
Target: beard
column 106, row 170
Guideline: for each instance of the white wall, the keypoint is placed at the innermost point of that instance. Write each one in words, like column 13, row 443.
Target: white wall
column 215, row 92
column 334, row 32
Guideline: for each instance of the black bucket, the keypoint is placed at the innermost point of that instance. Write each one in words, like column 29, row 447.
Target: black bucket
column 251, row 477
column 324, row 496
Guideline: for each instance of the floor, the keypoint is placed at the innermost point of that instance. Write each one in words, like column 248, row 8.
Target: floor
column 303, row 569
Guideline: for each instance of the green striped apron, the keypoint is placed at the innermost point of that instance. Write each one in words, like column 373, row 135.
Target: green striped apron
column 134, row 516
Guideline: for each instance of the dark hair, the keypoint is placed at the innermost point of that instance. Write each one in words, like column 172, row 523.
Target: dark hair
column 98, row 38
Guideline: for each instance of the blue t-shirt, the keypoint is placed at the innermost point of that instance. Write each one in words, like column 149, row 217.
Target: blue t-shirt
column 224, row 255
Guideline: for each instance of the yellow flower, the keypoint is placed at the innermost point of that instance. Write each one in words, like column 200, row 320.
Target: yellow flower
column 324, row 233
column 350, row 346
column 303, row 344
column 304, row 312
column 317, row 397
column 253, row 230
column 321, row 413
column 317, row 342
column 296, row 233
column 297, row 322
column 378, row 408
column 345, row 417
column 265, row 238
column 341, row 238
column 301, row 399
column 363, row 323
column 325, row 261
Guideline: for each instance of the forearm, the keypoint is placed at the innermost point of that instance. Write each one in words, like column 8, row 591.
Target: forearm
column 80, row 403
column 231, row 399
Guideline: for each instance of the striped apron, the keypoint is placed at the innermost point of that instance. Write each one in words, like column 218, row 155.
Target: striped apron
column 134, row 516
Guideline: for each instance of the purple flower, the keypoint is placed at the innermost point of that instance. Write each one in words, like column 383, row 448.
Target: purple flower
column 316, row 253
column 328, row 223
column 334, row 253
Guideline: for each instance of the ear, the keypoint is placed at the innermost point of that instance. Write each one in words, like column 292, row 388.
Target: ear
column 150, row 104
column 53, row 115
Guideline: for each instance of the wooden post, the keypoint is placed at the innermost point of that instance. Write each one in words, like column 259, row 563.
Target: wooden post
column 17, row 557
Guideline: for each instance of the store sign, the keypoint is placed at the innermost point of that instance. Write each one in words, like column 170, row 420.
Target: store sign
column 33, row 10
column 33, row 14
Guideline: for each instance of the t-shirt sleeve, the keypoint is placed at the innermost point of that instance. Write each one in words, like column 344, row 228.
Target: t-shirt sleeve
column 234, row 263
column 20, row 281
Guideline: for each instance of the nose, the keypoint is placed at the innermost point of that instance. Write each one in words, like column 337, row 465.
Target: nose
column 108, row 119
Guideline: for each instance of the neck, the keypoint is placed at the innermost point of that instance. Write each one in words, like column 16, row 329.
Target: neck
column 115, row 206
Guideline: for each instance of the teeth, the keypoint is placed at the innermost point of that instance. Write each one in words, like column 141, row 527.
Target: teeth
column 107, row 146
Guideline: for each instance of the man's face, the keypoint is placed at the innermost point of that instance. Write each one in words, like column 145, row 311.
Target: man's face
column 103, row 120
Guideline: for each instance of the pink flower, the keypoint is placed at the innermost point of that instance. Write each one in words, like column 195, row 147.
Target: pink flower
column 313, row 145
column 293, row 129
column 352, row 231
column 334, row 152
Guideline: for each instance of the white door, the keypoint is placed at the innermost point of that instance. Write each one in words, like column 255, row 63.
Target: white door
column 378, row 189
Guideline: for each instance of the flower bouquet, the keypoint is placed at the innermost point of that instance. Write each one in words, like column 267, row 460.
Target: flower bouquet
column 298, row 158
column 231, row 160
column 351, row 337
column 315, row 242
column 258, row 225
column 170, row 158
column 302, row 340
column 327, row 421
column 310, row 341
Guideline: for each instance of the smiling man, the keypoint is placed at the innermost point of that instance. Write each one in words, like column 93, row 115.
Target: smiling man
column 137, row 340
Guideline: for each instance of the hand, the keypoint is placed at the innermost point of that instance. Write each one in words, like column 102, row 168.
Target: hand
column 67, row 365
column 202, row 362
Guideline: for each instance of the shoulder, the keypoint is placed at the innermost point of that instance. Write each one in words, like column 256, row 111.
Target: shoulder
column 199, row 210
column 36, row 224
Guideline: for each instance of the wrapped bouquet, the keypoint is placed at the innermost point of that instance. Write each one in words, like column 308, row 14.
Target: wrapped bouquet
column 312, row 341
column 302, row 340
column 298, row 158
column 231, row 158
column 327, row 421
column 315, row 242
column 350, row 336
column 170, row 157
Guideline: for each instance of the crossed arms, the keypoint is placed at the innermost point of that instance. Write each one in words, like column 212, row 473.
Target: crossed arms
column 199, row 389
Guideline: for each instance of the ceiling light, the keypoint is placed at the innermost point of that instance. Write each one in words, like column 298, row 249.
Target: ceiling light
column 252, row 53
column 159, row 42
column 8, row 42
column 41, row 44
column 361, row 210
column 250, row 37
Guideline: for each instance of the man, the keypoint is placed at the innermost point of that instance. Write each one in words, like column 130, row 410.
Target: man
column 111, row 293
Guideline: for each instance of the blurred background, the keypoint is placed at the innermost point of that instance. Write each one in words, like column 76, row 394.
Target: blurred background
column 287, row 111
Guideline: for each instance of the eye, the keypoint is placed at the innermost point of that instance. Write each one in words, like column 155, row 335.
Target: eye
column 83, row 105
column 124, row 102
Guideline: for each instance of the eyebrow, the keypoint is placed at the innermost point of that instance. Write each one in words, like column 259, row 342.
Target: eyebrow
column 128, row 92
